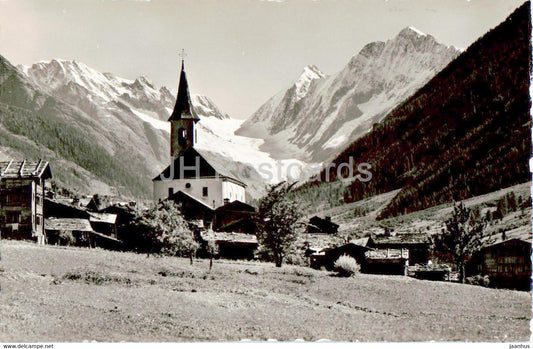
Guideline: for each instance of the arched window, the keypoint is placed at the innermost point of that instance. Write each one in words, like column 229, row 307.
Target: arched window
column 182, row 136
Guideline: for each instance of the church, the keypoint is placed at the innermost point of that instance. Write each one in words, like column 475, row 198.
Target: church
column 194, row 172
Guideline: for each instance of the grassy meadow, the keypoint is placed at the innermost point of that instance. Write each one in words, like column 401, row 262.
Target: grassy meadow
column 73, row 294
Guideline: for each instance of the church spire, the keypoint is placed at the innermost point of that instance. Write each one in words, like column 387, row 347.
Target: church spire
column 183, row 109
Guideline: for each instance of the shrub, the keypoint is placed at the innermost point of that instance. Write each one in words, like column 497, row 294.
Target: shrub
column 479, row 280
column 162, row 229
column 346, row 266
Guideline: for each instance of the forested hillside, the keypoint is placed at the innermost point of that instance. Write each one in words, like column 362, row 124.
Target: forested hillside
column 467, row 132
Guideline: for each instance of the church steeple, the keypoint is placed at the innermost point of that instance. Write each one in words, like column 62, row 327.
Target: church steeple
column 182, row 109
column 182, row 119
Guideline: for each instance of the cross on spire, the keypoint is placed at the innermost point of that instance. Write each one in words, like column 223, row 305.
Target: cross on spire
column 183, row 54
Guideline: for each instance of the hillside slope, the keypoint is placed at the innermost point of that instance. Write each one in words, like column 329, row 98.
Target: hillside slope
column 466, row 132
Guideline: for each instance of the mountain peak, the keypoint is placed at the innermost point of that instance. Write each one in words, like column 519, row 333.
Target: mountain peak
column 310, row 73
column 412, row 33
column 143, row 81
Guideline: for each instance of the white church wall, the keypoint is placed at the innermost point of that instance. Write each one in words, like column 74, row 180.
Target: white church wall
column 195, row 188
column 233, row 191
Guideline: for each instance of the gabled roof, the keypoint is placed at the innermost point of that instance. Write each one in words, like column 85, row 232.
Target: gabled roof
column 181, row 197
column 25, row 169
column 109, row 218
column 522, row 234
column 236, row 206
column 399, row 239
column 183, row 108
column 68, row 224
column 360, row 242
column 209, row 166
column 210, row 235
column 315, row 220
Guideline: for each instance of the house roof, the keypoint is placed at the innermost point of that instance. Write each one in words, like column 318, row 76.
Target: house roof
column 25, row 169
column 210, row 235
column 98, row 203
column 236, row 206
column 109, row 218
column 209, row 166
column 401, row 239
column 183, row 108
column 68, row 224
column 522, row 233
column 60, row 208
column 390, row 253
column 317, row 221
column 181, row 196
column 360, row 242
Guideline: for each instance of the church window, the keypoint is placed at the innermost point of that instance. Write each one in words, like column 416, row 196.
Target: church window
column 205, row 191
column 182, row 136
column 170, row 191
column 187, row 185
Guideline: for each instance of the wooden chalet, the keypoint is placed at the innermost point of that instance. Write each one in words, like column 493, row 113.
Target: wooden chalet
column 326, row 257
column 194, row 209
column 232, row 245
column 105, row 223
column 236, row 217
column 102, row 223
column 22, row 192
column 417, row 245
column 78, row 232
column 386, row 261
column 125, row 213
column 505, row 259
column 319, row 225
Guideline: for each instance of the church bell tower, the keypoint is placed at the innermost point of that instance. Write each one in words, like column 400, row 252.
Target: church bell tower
column 182, row 120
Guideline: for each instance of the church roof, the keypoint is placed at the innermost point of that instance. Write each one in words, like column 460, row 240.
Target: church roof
column 183, row 109
column 209, row 166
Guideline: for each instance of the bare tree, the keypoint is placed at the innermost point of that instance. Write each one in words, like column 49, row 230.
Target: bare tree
column 278, row 221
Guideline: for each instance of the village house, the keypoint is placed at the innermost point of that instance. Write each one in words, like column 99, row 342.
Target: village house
column 194, row 209
column 326, row 257
column 378, row 254
column 235, row 217
column 416, row 245
column 505, row 259
column 22, row 192
column 232, row 245
column 319, row 225
column 78, row 232
column 193, row 171
column 65, row 214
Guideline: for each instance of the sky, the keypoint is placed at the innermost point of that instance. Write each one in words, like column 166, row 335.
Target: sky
column 239, row 52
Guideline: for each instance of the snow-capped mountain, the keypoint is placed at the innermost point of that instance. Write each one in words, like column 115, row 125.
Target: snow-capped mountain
column 130, row 116
column 318, row 116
